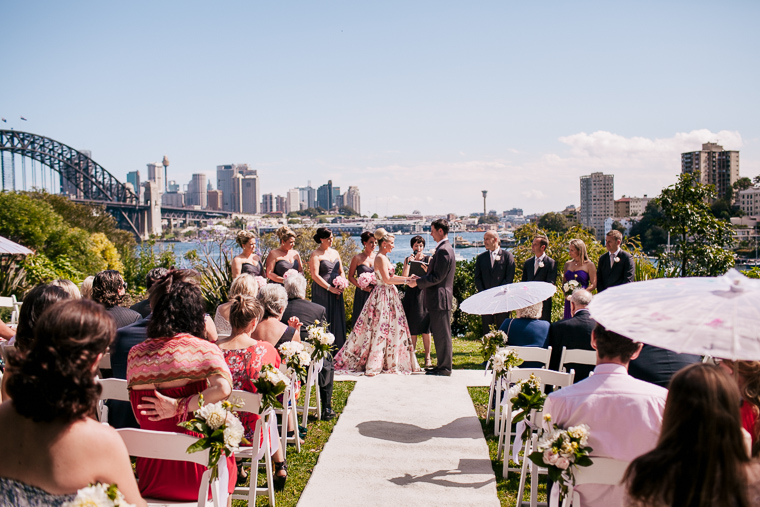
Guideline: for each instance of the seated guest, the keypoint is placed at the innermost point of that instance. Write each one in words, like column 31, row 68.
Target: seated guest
column 245, row 357
column 624, row 414
column 35, row 302
column 69, row 287
column 657, row 366
column 245, row 285
column 86, row 288
column 747, row 377
column 573, row 333
column 299, row 307
column 56, row 447
column 143, row 307
column 6, row 333
column 166, row 374
column 274, row 300
column 700, row 458
column 526, row 330
column 109, row 289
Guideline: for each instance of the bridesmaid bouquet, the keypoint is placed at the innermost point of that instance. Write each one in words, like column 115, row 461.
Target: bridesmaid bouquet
column 570, row 287
column 366, row 280
column 100, row 495
column 320, row 339
column 296, row 358
column 270, row 384
column 561, row 451
column 340, row 282
column 261, row 281
column 220, row 428
column 526, row 395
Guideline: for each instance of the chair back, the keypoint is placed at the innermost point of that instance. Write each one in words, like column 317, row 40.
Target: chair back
column 603, row 471
column 576, row 356
column 546, row 377
column 251, row 401
column 113, row 389
column 532, row 354
column 105, row 362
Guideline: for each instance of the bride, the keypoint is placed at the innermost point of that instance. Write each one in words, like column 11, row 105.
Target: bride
column 380, row 341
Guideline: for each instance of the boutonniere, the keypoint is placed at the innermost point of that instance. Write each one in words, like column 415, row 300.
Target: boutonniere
column 617, row 259
column 541, row 264
column 497, row 258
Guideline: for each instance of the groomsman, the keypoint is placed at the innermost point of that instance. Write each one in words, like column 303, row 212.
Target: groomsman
column 541, row 268
column 617, row 266
column 493, row 268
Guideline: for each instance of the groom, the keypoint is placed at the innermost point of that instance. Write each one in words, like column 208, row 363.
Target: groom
column 438, row 285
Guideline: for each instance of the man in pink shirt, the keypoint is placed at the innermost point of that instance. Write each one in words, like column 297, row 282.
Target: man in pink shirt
column 624, row 414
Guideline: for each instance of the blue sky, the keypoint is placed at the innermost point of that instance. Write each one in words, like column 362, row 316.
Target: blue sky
column 420, row 104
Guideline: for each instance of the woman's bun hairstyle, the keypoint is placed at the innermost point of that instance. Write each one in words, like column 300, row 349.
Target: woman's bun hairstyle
column 322, row 233
column 285, row 233
column 244, row 237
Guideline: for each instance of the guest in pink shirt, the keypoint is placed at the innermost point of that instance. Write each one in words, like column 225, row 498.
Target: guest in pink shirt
column 624, row 414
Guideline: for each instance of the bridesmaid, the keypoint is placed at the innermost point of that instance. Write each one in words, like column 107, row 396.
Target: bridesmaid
column 580, row 269
column 362, row 262
column 247, row 261
column 414, row 301
column 325, row 267
column 286, row 257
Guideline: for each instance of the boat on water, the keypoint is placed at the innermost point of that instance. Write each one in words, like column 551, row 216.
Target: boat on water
column 460, row 242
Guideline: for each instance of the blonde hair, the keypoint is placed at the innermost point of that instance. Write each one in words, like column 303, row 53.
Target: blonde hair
column 244, row 310
column 244, row 237
column 530, row 312
column 244, row 284
column 86, row 287
column 382, row 235
column 579, row 245
column 285, row 233
column 69, row 286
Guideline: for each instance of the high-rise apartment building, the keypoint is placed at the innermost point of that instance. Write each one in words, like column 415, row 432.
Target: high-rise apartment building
column 597, row 201
column 214, row 200
column 714, row 165
column 293, row 199
column 267, row 203
column 247, row 191
column 196, row 191
column 281, row 204
column 353, row 199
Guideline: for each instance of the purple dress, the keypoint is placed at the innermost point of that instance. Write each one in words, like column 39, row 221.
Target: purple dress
column 582, row 277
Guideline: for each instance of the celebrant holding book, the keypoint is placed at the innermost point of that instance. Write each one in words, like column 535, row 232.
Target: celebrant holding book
column 414, row 298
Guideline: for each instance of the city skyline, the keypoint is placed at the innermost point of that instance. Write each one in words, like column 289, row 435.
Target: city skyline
column 420, row 111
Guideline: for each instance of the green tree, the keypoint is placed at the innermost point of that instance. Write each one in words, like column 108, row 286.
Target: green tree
column 648, row 230
column 702, row 242
column 348, row 211
column 555, row 222
column 618, row 227
column 374, row 215
column 239, row 223
column 488, row 219
column 742, row 184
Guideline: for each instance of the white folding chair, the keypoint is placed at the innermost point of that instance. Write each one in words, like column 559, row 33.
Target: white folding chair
column 259, row 449
column 288, row 413
column 576, row 356
column 172, row 446
column 545, row 377
column 5, row 349
column 105, row 362
column 527, row 354
column 11, row 302
column 311, row 381
column 605, row 471
column 111, row 389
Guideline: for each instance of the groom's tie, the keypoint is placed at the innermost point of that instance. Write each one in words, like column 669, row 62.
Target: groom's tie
column 612, row 259
column 536, row 262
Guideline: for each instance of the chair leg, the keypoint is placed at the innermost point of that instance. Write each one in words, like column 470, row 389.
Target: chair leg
column 497, row 409
column 489, row 411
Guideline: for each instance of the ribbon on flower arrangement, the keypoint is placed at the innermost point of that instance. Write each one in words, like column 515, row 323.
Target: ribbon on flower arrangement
column 554, row 494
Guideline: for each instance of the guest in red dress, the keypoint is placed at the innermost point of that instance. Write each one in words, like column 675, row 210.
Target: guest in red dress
column 167, row 373
column 747, row 375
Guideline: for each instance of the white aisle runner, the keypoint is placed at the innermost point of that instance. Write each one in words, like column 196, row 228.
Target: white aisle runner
column 406, row 440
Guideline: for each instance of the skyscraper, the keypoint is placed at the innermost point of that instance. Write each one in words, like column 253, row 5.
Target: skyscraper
column 281, row 203
column 214, row 199
column 308, row 196
column 597, row 201
column 714, row 165
column 196, row 191
column 156, row 173
column 325, row 197
column 267, row 203
column 246, row 192
column 133, row 177
column 353, row 199
column 293, row 198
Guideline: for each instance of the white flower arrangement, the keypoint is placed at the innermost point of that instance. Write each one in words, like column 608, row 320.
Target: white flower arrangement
column 571, row 286
column 270, row 384
column 492, row 341
column 99, row 495
column 320, row 339
column 504, row 360
column 296, row 359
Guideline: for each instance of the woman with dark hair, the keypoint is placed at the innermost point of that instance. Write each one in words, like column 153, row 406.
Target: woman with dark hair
column 248, row 260
column 245, row 356
column 414, row 298
column 109, row 289
column 747, row 377
column 284, row 258
column 363, row 262
column 325, row 266
column 700, row 459
column 35, row 303
column 56, row 447
column 166, row 374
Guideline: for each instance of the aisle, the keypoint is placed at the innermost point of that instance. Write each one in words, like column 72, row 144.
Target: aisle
column 406, row 440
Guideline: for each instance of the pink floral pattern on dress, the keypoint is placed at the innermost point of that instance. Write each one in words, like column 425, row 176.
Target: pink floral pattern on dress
column 380, row 341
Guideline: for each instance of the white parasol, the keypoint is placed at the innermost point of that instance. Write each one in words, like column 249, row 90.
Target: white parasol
column 8, row 247
column 506, row 298
column 717, row 316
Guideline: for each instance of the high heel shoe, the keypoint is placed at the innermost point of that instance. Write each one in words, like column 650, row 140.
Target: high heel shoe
column 279, row 480
column 428, row 362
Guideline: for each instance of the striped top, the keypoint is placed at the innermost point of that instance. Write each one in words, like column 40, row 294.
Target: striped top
column 181, row 357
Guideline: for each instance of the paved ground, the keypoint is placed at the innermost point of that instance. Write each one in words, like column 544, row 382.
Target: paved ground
column 406, row 440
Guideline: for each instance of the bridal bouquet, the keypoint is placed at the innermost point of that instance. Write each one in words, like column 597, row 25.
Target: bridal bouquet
column 296, row 358
column 366, row 280
column 270, row 384
column 561, row 451
column 503, row 361
column 320, row 339
column 261, row 281
column 492, row 341
column 220, row 428
column 99, row 495
column 340, row 282
column 526, row 395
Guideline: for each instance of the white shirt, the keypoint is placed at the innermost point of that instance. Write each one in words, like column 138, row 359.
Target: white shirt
column 624, row 416
column 536, row 262
column 494, row 255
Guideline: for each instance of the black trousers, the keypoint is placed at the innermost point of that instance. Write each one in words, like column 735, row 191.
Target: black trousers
column 325, row 382
column 440, row 327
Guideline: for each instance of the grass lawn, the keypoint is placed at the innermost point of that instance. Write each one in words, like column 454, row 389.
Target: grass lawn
column 467, row 355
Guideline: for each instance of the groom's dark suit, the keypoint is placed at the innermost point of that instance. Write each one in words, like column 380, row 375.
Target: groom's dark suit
column 547, row 273
column 487, row 277
column 438, row 285
column 619, row 273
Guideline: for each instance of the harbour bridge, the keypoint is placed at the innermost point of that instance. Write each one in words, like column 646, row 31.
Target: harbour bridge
column 86, row 181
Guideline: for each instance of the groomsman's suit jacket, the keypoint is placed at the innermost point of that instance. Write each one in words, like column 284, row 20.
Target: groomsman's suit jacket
column 487, row 277
column 438, row 285
column 573, row 333
column 619, row 273
column 548, row 273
